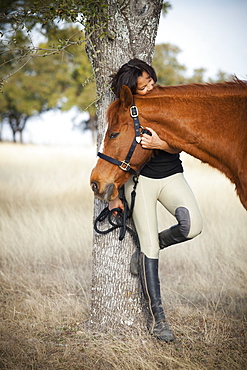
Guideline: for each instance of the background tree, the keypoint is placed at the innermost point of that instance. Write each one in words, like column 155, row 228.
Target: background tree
column 169, row 70
column 57, row 81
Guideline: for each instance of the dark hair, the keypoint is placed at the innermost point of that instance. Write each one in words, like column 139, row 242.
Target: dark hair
column 128, row 75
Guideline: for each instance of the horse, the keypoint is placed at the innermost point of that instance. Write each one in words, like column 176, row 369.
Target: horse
column 208, row 121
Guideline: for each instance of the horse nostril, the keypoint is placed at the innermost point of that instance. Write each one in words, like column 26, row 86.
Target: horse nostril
column 94, row 186
column 109, row 190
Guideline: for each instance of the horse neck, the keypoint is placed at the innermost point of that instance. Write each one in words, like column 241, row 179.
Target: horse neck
column 201, row 125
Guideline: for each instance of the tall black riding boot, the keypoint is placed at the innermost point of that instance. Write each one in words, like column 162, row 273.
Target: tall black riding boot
column 157, row 324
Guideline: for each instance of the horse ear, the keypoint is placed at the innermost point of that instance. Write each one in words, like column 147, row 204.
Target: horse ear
column 126, row 97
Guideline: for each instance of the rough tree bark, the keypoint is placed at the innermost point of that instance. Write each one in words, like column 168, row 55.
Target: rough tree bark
column 116, row 302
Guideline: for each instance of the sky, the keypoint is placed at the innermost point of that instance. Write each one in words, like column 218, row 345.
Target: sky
column 53, row 128
column 210, row 34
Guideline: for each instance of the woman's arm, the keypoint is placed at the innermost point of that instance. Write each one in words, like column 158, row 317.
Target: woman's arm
column 154, row 142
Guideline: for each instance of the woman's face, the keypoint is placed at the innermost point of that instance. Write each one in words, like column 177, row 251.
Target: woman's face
column 145, row 84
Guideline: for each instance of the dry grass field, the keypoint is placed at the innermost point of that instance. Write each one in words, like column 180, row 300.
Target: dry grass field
column 46, row 209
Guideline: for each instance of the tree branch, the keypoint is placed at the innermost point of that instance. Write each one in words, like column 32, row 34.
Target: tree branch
column 33, row 52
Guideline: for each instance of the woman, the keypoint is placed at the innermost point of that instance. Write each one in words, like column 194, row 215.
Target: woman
column 161, row 180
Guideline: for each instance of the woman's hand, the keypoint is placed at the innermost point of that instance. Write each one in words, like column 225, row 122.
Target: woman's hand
column 154, row 142
column 116, row 203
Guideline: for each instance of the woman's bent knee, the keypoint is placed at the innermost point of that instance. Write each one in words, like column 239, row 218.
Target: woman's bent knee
column 190, row 224
column 196, row 227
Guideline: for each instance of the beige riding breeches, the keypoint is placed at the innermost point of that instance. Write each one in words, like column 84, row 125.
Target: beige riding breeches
column 172, row 192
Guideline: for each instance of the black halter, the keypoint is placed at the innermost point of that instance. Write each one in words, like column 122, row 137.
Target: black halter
column 125, row 165
column 120, row 220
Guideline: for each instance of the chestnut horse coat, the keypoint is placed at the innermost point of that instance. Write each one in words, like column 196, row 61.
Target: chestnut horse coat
column 208, row 121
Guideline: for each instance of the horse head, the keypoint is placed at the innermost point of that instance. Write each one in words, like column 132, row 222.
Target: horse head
column 111, row 170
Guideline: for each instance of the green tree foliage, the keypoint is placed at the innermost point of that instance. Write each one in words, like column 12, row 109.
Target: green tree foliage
column 18, row 49
column 57, row 81
column 23, row 16
column 168, row 69
column 27, row 13
column 171, row 72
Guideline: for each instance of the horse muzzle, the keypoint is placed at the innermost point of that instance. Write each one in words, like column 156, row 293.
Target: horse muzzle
column 107, row 192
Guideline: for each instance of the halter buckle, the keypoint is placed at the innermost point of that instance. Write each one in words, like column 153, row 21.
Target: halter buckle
column 124, row 166
column 134, row 111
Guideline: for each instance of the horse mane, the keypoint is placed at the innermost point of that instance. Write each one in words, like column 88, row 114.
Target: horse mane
column 196, row 89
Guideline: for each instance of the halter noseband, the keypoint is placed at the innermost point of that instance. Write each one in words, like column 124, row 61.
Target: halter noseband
column 125, row 165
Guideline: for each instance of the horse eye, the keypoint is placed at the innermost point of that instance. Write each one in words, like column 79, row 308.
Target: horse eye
column 113, row 135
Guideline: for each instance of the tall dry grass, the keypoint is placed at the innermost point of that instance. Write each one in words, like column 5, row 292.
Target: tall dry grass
column 45, row 239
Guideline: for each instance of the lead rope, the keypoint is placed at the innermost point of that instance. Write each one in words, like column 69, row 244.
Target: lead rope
column 119, row 221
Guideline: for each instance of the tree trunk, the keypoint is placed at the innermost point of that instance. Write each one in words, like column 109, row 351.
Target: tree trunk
column 131, row 30
column 1, row 130
column 14, row 136
column 21, row 136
